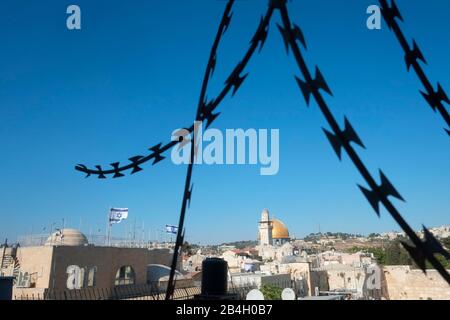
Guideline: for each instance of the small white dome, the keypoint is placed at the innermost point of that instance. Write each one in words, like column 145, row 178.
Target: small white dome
column 67, row 237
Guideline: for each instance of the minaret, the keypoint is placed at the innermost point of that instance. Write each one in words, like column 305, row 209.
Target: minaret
column 265, row 229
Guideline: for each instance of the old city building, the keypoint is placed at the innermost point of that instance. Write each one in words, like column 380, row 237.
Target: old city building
column 68, row 262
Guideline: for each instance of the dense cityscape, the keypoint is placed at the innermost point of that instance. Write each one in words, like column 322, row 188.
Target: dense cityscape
column 328, row 265
column 315, row 157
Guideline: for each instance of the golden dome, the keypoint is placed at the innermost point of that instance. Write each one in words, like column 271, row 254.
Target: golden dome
column 279, row 230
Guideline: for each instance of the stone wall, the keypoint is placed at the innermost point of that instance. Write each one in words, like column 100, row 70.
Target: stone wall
column 319, row 280
column 37, row 262
column 346, row 277
column 396, row 282
column 258, row 279
column 404, row 283
column 300, row 273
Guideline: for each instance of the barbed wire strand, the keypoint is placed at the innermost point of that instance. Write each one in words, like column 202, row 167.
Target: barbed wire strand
column 413, row 54
column 234, row 81
column 421, row 250
column 224, row 24
column 339, row 139
column 205, row 110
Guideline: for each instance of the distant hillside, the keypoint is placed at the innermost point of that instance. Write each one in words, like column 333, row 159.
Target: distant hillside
column 339, row 235
column 241, row 244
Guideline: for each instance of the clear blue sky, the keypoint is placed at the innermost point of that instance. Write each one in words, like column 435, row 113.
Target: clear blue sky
column 133, row 74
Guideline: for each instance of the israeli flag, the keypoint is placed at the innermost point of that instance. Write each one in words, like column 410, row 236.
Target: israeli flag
column 116, row 215
column 171, row 229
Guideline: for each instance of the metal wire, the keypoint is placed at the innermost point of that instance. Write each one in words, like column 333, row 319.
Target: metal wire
column 340, row 139
column 434, row 98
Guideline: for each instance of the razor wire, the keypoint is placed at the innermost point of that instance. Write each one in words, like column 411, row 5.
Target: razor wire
column 234, row 81
column 413, row 55
column 340, row 139
column 206, row 108
column 420, row 251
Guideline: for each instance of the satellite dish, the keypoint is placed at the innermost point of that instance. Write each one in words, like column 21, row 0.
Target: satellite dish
column 255, row 294
column 288, row 294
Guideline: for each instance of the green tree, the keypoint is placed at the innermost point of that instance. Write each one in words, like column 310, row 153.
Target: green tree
column 446, row 242
column 187, row 248
column 379, row 254
column 353, row 249
column 271, row 292
column 396, row 254
column 445, row 263
column 393, row 253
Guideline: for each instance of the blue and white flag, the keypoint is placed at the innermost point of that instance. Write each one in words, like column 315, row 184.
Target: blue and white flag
column 171, row 229
column 116, row 215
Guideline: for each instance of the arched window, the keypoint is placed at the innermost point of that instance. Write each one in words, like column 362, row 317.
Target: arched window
column 124, row 276
column 91, row 280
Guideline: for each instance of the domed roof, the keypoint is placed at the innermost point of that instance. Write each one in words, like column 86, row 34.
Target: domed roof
column 279, row 230
column 67, row 237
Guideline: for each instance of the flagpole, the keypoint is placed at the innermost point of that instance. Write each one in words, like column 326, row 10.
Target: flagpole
column 109, row 228
column 105, row 242
column 143, row 234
